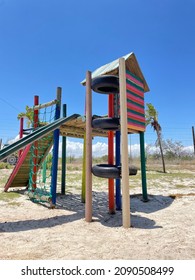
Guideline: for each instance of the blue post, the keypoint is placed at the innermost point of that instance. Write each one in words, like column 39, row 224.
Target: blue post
column 56, row 135
column 118, row 162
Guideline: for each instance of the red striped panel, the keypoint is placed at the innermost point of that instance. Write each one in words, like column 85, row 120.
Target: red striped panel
column 135, row 108
column 135, row 117
column 134, row 89
column 131, row 78
column 136, row 127
column 135, row 103
column 135, row 99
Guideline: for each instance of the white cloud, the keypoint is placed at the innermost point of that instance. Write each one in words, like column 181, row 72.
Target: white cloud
column 74, row 148
column 188, row 149
column 99, row 149
column 134, row 150
column 11, row 141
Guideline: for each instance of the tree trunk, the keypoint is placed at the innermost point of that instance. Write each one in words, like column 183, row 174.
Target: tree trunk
column 161, row 150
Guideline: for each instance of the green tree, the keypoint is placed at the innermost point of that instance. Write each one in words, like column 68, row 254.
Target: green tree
column 151, row 115
column 28, row 115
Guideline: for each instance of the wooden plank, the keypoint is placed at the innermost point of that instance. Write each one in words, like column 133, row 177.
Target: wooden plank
column 124, row 146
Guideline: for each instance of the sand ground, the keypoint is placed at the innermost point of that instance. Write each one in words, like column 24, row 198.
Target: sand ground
column 162, row 228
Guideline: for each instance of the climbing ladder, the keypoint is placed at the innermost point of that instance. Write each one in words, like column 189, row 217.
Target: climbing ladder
column 20, row 174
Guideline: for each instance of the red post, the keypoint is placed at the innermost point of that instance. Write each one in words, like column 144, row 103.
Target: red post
column 21, row 133
column 111, row 155
column 35, row 152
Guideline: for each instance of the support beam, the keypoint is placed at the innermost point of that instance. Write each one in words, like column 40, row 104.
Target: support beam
column 35, row 146
column 143, row 167
column 118, row 163
column 56, row 135
column 83, row 192
column 63, row 182
column 124, row 146
column 21, row 133
column 88, row 198
column 111, row 155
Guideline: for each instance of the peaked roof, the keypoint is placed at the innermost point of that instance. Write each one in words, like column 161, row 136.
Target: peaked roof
column 113, row 69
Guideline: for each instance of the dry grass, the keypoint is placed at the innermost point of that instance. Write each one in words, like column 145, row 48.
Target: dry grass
column 180, row 173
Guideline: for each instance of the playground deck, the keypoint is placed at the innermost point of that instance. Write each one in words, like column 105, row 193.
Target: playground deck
column 77, row 127
column 73, row 126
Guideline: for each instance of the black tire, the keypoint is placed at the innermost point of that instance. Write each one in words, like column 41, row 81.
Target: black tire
column 105, row 84
column 111, row 171
column 12, row 160
column 106, row 123
column 132, row 170
column 106, row 171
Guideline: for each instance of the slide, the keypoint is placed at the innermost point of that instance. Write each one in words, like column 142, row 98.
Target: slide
column 34, row 136
column 20, row 174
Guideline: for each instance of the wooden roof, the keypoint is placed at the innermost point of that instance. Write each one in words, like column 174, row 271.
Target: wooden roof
column 112, row 68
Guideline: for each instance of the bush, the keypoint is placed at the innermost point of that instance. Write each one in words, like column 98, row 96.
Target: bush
column 5, row 165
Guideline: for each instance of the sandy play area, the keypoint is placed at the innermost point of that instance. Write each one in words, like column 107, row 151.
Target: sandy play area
column 162, row 228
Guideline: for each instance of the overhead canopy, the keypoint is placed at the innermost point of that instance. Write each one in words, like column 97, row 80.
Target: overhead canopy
column 77, row 127
column 112, row 68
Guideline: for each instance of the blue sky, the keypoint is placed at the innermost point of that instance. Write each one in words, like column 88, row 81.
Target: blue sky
column 50, row 43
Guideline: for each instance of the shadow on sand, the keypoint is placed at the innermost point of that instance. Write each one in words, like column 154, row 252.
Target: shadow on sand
column 75, row 210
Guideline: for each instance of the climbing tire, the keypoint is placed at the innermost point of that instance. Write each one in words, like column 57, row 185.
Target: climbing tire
column 106, row 171
column 106, row 123
column 132, row 170
column 105, row 84
column 111, row 171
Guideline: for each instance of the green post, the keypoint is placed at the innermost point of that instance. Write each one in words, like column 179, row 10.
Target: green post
column 63, row 182
column 44, row 171
column 143, row 167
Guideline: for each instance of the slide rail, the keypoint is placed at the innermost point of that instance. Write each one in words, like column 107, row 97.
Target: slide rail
column 35, row 135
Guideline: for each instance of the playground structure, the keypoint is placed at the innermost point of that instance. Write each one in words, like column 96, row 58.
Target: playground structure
column 126, row 115
column 124, row 83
